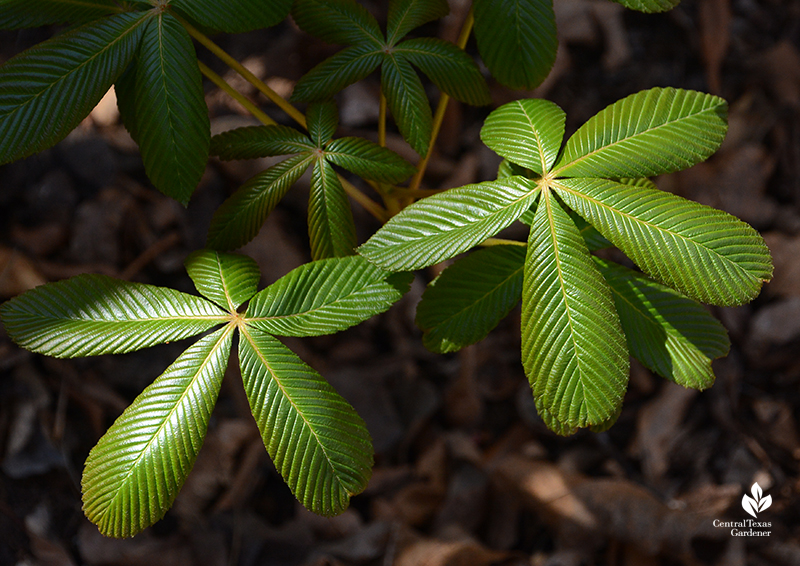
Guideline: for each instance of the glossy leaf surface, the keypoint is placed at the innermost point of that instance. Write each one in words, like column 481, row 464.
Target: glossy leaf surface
column 331, row 230
column 235, row 16
column 227, row 279
column 368, row 160
column 251, row 142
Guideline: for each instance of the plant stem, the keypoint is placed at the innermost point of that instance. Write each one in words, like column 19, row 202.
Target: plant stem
column 382, row 122
column 444, row 99
column 247, row 75
column 501, row 242
column 235, row 94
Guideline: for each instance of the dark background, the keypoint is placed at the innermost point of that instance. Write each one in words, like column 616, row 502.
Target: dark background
column 465, row 471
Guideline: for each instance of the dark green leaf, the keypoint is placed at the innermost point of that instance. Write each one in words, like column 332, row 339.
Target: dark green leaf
column 172, row 122
column 137, row 469
column 235, row 16
column 315, row 438
column 517, row 40
column 338, row 21
column 405, row 15
column 448, row 67
column 406, row 99
column 705, row 253
column 259, row 141
column 325, row 296
column 125, row 91
column 323, row 119
column 470, row 297
column 368, row 160
column 444, row 225
column 50, row 88
column 227, row 279
column 331, row 230
column 573, row 348
column 238, row 219
column 527, row 132
column 669, row 333
column 332, row 75
column 15, row 14
column 649, row 6
column 89, row 315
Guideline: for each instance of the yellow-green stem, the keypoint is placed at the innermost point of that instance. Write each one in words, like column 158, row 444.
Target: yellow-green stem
column 501, row 242
column 295, row 114
column 382, row 121
column 236, row 95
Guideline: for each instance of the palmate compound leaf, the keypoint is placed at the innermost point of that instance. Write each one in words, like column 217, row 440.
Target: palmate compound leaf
column 15, row 14
column 526, row 132
column 442, row 226
column 573, row 347
column 406, row 15
column 227, row 279
column 235, row 16
column 240, row 217
column 331, row 230
column 470, row 297
column 516, row 39
column 705, row 253
column 669, row 333
column 50, row 88
column 315, row 438
column 649, row 133
column 136, row 470
column 89, row 315
column 325, row 296
column 172, row 124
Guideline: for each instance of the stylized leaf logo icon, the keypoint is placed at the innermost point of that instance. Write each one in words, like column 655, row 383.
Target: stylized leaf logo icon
column 757, row 503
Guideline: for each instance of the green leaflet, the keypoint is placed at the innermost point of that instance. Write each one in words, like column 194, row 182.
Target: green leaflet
column 331, row 230
column 15, row 14
column 89, row 315
column 323, row 119
column 407, row 102
column 324, row 297
column 649, row 6
column 406, row 15
column 470, row 297
column 259, row 141
column 594, row 239
column 335, row 73
column 368, row 160
column 227, row 279
column 172, row 124
column 125, row 91
column 240, row 217
column 441, row 226
column 235, row 16
column 337, row 21
column 448, row 67
column 315, row 438
column 705, row 253
column 50, row 88
column 669, row 333
column 516, row 39
column 135, row 471
column 649, row 133
column 527, row 132
column 573, row 348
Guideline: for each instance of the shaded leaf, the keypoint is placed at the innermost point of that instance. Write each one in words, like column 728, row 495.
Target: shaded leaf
column 705, row 253
column 448, row 67
column 405, row 15
column 335, row 73
column 407, row 102
column 240, row 217
column 251, row 142
column 15, row 14
column 323, row 119
column 573, row 348
column 368, row 160
column 172, row 125
column 89, row 315
column 227, row 279
column 669, row 333
column 516, row 39
column 235, row 16
column 649, row 6
column 137, row 468
column 442, row 226
column 315, row 438
column 649, row 133
column 331, row 230
column 527, row 132
column 337, row 21
column 50, row 88
column 325, row 296
column 463, row 304
column 125, row 92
